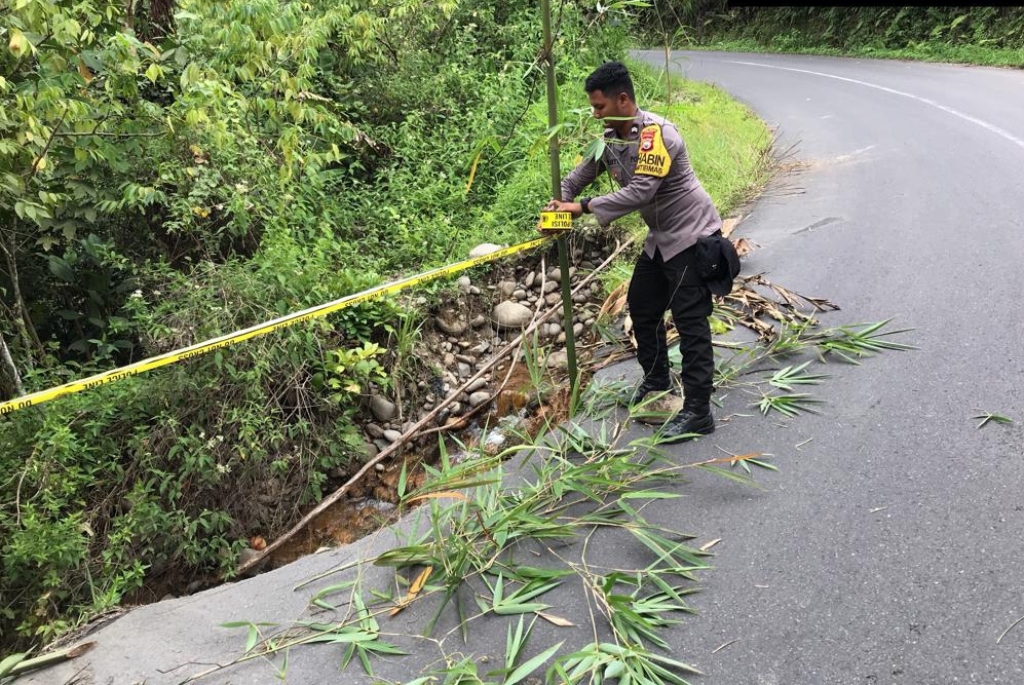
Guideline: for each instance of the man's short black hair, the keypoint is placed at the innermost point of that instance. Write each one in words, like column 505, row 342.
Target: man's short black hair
column 611, row 78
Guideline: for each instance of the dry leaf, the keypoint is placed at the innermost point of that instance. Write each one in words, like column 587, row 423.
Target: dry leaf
column 414, row 590
column 420, row 581
column 451, row 494
column 556, row 620
column 615, row 302
column 627, row 328
column 744, row 246
column 729, row 225
column 708, row 545
column 455, row 423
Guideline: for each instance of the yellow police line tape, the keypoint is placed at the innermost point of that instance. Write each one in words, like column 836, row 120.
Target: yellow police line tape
column 198, row 349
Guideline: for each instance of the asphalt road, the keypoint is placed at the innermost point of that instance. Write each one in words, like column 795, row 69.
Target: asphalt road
column 887, row 550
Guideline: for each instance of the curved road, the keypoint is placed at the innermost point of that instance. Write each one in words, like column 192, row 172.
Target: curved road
column 889, row 548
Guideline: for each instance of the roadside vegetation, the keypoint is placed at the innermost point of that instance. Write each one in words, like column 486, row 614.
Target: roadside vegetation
column 991, row 36
column 192, row 168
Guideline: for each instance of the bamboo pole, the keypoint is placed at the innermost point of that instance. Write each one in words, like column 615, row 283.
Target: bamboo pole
column 556, row 192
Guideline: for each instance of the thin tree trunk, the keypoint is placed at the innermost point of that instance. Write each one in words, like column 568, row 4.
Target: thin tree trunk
column 20, row 313
column 10, row 381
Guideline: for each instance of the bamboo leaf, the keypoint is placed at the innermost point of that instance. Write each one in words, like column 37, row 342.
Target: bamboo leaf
column 990, row 417
column 532, row 665
column 9, row 662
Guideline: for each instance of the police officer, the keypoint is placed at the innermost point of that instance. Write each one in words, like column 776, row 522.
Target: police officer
column 646, row 156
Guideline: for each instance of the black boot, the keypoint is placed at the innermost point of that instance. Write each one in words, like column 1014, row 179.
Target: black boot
column 693, row 420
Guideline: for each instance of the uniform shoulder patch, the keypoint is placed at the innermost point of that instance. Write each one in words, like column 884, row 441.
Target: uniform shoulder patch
column 652, row 157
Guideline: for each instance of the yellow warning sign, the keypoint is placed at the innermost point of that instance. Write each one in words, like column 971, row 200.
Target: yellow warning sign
column 555, row 221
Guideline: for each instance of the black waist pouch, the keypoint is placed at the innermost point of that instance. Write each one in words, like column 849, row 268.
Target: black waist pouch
column 717, row 263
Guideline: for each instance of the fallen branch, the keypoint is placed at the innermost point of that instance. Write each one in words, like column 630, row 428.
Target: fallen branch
column 413, row 430
column 14, row 666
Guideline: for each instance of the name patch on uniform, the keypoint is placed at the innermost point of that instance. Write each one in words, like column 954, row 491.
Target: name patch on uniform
column 652, row 157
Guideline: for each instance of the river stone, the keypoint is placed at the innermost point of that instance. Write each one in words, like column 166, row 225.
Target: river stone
column 464, row 283
column 506, row 288
column 519, row 294
column 558, row 360
column 484, row 248
column 511, row 315
column 555, row 275
column 476, row 385
column 382, row 408
column 530, row 278
column 247, row 555
column 577, row 330
column 478, row 321
column 451, row 323
column 392, row 435
column 374, row 431
column 550, row 286
column 551, row 299
column 465, row 370
column 478, row 398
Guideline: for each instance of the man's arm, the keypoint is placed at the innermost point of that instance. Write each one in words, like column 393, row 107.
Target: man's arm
column 579, row 178
column 638, row 193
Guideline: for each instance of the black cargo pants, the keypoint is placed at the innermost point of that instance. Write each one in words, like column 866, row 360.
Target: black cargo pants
column 656, row 287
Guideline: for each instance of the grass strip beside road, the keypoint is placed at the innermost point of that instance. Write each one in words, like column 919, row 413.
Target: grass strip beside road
column 925, row 52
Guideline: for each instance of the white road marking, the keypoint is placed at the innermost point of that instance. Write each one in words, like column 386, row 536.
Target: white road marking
column 1003, row 133
column 844, row 158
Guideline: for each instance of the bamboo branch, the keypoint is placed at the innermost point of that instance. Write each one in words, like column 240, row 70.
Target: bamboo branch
column 50, row 659
column 20, row 318
column 10, row 369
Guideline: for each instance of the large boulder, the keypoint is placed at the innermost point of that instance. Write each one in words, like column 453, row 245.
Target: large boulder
column 511, row 315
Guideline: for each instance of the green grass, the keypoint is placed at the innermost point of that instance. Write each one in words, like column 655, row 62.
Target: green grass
column 925, row 52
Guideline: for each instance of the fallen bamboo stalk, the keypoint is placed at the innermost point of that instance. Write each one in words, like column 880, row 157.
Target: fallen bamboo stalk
column 412, row 432
column 23, row 666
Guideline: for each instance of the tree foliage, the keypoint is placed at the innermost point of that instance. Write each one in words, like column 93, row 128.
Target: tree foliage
column 843, row 28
